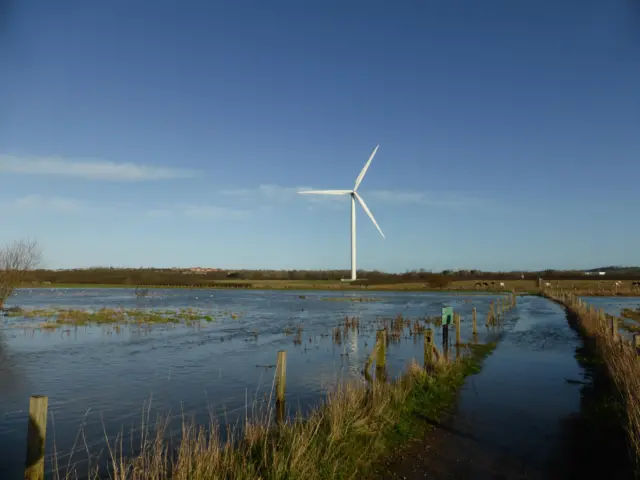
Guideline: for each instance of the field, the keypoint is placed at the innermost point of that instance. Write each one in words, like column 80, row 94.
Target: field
column 581, row 287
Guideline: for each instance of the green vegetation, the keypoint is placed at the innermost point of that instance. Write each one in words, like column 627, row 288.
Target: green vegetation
column 77, row 317
column 345, row 437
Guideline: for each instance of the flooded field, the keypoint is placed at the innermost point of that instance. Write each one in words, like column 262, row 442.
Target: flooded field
column 614, row 305
column 98, row 378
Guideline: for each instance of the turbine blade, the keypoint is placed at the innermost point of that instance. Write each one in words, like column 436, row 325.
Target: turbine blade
column 364, row 170
column 325, row 192
column 366, row 209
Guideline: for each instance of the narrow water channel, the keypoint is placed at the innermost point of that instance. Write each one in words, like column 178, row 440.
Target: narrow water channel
column 520, row 417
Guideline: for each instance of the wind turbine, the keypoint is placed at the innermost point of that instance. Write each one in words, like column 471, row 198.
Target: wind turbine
column 354, row 195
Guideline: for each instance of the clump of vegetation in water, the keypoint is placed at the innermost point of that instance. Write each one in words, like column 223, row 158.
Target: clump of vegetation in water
column 631, row 314
column 78, row 317
column 351, row 299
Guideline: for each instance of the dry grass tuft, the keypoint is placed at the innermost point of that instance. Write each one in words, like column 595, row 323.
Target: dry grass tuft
column 620, row 357
column 343, row 437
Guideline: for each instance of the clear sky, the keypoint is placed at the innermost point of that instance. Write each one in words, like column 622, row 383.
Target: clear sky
column 176, row 133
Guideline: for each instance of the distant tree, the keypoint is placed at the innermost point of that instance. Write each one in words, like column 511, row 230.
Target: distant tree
column 17, row 260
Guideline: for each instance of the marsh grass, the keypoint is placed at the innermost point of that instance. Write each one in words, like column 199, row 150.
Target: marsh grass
column 622, row 364
column 106, row 316
column 344, row 437
column 631, row 314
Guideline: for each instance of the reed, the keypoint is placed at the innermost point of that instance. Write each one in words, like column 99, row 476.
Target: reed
column 344, row 437
column 620, row 357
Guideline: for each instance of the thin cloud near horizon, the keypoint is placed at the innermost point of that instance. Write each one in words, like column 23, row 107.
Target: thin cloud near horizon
column 102, row 170
column 279, row 193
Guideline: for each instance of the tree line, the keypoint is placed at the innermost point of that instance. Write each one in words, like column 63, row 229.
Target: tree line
column 122, row 276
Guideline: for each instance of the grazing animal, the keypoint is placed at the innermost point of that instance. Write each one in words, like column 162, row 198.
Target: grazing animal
column 547, row 284
column 485, row 284
column 501, row 284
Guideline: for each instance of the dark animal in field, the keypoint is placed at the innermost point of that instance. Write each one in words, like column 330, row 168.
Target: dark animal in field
column 485, row 284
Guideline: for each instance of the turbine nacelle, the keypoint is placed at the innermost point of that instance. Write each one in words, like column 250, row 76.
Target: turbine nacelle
column 353, row 193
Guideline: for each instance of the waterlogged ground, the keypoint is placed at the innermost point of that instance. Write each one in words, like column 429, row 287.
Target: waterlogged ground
column 522, row 416
column 212, row 359
column 614, row 305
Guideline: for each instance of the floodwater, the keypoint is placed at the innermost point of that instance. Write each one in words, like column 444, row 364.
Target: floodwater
column 515, row 405
column 614, row 305
column 99, row 378
column 526, row 414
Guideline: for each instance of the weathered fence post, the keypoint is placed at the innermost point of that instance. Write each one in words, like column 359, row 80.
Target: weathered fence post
column 490, row 316
column 428, row 347
column 36, row 434
column 475, row 325
column 381, row 359
column 613, row 321
column 456, row 316
column 281, row 375
column 636, row 342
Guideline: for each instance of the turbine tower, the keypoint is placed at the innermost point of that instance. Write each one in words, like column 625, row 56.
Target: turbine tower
column 354, row 195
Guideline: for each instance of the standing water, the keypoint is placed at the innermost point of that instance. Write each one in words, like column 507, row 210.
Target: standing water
column 521, row 417
column 99, row 378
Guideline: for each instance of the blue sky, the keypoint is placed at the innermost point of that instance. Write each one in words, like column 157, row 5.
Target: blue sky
column 178, row 133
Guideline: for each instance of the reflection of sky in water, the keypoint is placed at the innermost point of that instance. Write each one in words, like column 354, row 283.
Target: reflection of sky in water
column 614, row 305
column 189, row 368
column 516, row 404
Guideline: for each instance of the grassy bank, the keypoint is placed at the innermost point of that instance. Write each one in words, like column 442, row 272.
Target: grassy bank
column 345, row 437
column 621, row 364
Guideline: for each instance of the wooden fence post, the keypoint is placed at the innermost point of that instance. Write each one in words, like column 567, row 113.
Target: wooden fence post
column 281, row 375
column 490, row 317
column 36, row 434
column 636, row 342
column 428, row 347
column 614, row 327
column 381, row 337
column 456, row 316
column 475, row 325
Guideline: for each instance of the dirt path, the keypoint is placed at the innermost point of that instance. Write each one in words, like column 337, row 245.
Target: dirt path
column 519, row 418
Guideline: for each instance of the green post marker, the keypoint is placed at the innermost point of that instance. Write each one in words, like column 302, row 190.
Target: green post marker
column 447, row 315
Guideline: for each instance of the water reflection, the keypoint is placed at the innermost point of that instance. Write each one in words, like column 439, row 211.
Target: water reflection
column 99, row 377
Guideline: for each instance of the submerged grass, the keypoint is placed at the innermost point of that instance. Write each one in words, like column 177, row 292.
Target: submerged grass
column 344, row 437
column 78, row 317
column 631, row 314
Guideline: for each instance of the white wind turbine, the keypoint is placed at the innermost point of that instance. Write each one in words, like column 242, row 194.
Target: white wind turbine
column 354, row 195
